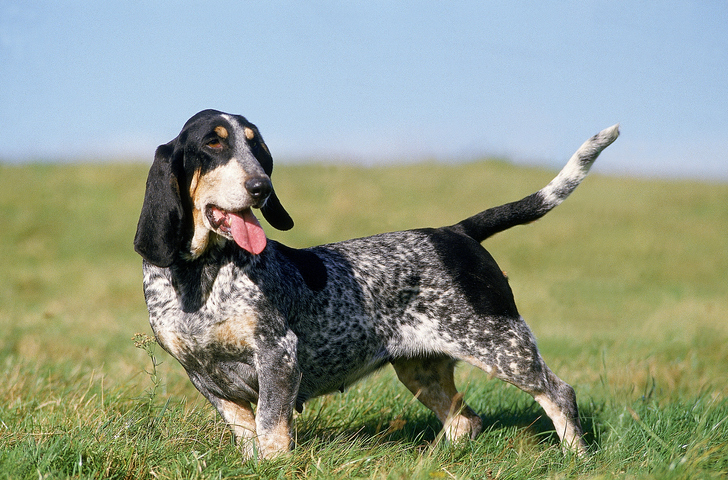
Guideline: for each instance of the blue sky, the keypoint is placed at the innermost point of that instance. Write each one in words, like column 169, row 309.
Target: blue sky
column 374, row 81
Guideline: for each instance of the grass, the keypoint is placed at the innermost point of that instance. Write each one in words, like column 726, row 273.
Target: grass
column 625, row 286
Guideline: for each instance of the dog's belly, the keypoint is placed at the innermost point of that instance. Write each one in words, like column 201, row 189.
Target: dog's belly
column 336, row 366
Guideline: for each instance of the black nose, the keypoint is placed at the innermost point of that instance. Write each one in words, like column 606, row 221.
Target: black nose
column 259, row 187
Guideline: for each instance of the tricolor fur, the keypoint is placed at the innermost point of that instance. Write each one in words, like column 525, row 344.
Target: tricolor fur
column 255, row 322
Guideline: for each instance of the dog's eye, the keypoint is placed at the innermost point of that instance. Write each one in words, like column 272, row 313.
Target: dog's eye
column 215, row 144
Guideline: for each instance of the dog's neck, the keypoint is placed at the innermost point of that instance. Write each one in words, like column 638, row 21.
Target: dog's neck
column 193, row 278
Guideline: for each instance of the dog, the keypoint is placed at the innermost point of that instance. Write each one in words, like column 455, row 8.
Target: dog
column 253, row 321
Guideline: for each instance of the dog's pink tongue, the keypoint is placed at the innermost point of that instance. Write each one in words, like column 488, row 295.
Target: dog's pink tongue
column 247, row 232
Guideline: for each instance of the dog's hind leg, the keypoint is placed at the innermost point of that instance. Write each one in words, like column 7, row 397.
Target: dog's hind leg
column 558, row 400
column 431, row 380
column 518, row 362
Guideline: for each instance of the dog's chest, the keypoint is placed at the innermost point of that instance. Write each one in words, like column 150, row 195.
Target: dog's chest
column 206, row 329
column 223, row 339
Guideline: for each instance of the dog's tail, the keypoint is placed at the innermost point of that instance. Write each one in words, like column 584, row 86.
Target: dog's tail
column 489, row 222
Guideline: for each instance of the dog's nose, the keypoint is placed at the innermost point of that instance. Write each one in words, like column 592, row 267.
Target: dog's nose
column 259, row 187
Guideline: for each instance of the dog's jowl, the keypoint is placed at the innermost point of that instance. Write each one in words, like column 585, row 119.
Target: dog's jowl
column 255, row 322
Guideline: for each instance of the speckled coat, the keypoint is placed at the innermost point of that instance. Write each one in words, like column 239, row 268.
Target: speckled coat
column 285, row 325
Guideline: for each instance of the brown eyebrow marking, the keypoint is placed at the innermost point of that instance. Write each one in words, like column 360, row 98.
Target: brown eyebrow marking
column 221, row 131
column 249, row 133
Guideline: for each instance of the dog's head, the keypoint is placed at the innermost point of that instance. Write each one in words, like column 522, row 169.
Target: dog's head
column 201, row 189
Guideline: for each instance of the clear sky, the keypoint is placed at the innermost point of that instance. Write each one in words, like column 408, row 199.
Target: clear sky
column 373, row 81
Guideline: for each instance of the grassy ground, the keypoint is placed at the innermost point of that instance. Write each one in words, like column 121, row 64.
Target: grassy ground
column 625, row 286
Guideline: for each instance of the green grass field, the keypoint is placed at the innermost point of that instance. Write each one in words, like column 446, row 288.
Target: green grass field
column 625, row 287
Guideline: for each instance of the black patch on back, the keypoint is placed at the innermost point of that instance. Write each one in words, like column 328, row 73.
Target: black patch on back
column 474, row 272
column 308, row 264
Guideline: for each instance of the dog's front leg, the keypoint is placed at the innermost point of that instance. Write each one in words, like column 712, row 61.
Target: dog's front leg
column 278, row 379
column 241, row 420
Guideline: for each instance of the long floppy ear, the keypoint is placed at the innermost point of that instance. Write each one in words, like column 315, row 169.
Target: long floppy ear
column 275, row 214
column 159, row 229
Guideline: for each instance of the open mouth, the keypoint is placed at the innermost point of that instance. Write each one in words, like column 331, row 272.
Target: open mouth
column 242, row 226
